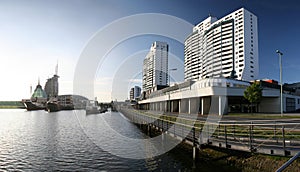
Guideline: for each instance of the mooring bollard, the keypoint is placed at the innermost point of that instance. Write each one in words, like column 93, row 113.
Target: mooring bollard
column 149, row 130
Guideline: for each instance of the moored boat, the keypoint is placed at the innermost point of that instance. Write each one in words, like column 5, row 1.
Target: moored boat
column 29, row 105
column 38, row 99
column 61, row 102
column 52, row 106
column 92, row 107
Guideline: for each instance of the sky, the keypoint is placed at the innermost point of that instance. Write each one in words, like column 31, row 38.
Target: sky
column 36, row 35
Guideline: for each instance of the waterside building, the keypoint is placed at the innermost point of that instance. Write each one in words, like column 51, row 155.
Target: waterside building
column 227, row 47
column 155, row 66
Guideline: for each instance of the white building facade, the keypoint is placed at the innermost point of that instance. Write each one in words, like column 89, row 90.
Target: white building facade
column 227, row 47
column 155, row 67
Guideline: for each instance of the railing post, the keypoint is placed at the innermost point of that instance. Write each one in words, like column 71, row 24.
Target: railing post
column 174, row 128
column 250, row 136
column 275, row 132
column 194, row 144
column 208, row 136
column 163, row 125
column 219, row 127
column 182, row 131
column 167, row 125
column 225, row 132
column 234, row 130
column 288, row 163
column 283, row 140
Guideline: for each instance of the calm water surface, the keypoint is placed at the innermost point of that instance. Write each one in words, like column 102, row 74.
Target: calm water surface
column 42, row 141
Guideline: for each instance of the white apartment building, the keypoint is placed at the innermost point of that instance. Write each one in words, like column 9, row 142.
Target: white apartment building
column 155, row 67
column 227, row 47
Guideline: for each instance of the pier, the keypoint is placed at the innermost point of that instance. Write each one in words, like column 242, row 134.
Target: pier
column 270, row 137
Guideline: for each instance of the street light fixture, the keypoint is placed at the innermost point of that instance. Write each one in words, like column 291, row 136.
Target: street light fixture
column 280, row 68
column 174, row 69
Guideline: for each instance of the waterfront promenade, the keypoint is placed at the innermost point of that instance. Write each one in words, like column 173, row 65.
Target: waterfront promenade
column 269, row 134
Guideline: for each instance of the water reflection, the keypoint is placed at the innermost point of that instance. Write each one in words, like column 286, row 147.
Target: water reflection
column 42, row 141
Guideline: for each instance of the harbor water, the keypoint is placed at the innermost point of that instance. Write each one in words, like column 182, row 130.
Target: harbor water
column 58, row 141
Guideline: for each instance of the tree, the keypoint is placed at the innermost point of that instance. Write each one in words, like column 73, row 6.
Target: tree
column 253, row 93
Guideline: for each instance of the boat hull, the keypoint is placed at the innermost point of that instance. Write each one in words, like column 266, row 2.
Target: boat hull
column 53, row 107
column 30, row 106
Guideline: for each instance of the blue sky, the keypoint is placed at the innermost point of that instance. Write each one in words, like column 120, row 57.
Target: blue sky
column 34, row 35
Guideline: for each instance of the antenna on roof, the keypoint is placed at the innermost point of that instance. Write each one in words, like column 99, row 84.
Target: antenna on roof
column 39, row 81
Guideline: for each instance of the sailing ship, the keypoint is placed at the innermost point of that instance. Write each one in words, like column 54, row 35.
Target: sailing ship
column 38, row 99
column 61, row 102
column 49, row 100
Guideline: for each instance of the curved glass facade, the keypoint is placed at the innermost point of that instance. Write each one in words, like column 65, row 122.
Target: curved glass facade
column 39, row 92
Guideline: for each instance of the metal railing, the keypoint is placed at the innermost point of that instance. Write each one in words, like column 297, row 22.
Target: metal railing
column 278, row 138
column 288, row 163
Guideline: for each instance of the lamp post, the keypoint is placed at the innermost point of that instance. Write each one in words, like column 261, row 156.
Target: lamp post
column 280, row 68
column 174, row 69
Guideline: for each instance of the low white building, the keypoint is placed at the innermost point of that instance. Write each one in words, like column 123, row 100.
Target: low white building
column 217, row 96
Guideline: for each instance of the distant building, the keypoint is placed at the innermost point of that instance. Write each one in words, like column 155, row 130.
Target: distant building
column 51, row 86
column 135, row 93
column 155, row 67
column 39, row 95
column 131, row 94
column 227, row 47
column 295, row 87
